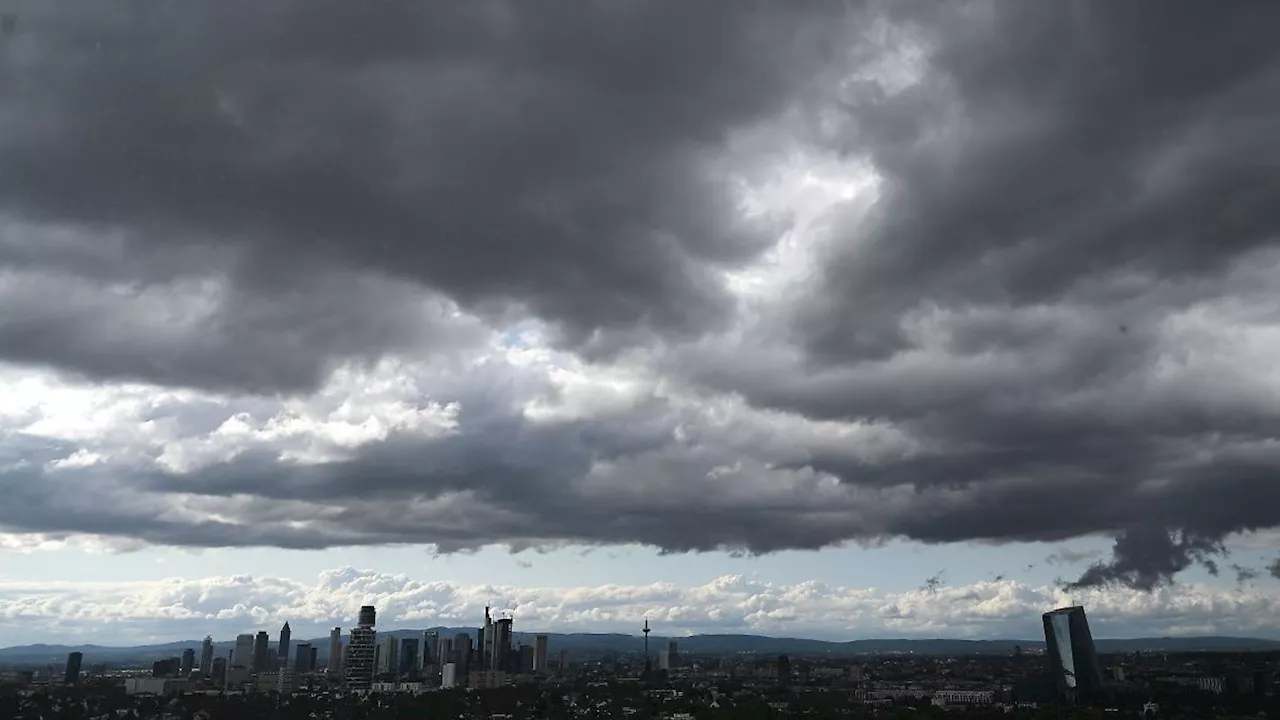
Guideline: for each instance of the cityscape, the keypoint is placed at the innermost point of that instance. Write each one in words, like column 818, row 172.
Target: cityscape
column 639, row 359
column 475, row 674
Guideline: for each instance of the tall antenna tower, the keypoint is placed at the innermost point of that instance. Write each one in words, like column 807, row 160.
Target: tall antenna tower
column 647, row 667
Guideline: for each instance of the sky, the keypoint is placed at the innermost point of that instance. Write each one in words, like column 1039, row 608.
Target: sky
column 839, row 320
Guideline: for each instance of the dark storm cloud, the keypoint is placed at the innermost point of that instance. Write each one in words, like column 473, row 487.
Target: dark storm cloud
column 558, row 158
column 1063, row 179
column 1077, row 200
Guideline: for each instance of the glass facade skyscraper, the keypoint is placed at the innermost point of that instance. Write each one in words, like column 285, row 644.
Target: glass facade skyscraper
column 1069, row 646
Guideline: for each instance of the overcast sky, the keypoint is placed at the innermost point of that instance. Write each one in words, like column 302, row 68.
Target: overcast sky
column 815, row 318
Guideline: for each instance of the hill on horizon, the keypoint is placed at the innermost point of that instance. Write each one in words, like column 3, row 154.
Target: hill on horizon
column 594, row 645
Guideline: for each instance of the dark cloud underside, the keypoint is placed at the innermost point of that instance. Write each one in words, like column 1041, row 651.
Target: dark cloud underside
column 1055, row 302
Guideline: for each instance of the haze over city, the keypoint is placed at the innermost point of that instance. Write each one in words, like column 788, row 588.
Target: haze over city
column 832, row 320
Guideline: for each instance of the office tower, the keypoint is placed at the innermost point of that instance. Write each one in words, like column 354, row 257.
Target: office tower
column 188, row 662
column 206, row 656
column 448, row 675
column 261, row 644
column 540, row 653
column 335, row 650
column 242, row 655
column 283, row 649
column 673, row 654
column 564, row 659
column 408, row 661
column 166, row 668
column 784, row 670
column 446, row 650
column 302, row 658
column 387, row 654
column 273, row 660
column 460, row 654
column 502, row 656
column 1069, row 646
column 72, row 674
column 218, row 672
column 484, row 640
column 360, row 651
column 664, row 659
column 430, row 649
column 311, row 661
column 526, row 659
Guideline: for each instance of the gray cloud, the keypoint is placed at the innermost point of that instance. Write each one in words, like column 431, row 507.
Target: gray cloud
column 1063, row 193
column 495, row 153
column 1050, row 322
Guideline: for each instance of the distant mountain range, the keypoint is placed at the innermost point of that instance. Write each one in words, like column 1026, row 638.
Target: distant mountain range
column 591, row 645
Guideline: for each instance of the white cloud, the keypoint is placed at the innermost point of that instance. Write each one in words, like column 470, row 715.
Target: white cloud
column 133, row 612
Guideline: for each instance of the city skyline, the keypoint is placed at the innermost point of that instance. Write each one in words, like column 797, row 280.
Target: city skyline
column 843, row 319
column 834, row 613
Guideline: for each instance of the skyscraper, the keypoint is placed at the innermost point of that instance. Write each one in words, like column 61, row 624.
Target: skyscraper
column 360, row 651
column 335, row 650
column 673, row 654
column 540, row 653
column 242, row 655
column 460, row 654
column 206, row 656
column 388, row 654
column 188, row 662
column 784, row 670
column 430, row 648
column 282, row 650
column 302, row 653
column 502, row 658
column 1069, row 646
column 408, row 662
column 218, row 672
column 72, row 674
column 261, row 644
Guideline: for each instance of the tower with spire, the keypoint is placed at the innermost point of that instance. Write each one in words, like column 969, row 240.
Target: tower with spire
column 647, row 666
column 283, row 651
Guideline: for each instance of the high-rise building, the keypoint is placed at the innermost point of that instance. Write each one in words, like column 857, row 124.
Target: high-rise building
column 448, row 675
column 273, row 660
column 218, row 672
column 242, row 655
column 526, row 659
column 664, row 659
column 564, row 659
column 502, row 656
column 408, row 662
column 72, row 674
column 315, row 655
column 282, row 650
column 673, row 654
column 360, row 651
column 387, row 654
column 430, row 648
column 206, row 656
column 335, row 650
column 784, row 670
column 540, row 653
column 166, row 668
column 446, row 650
column 261, row 643
column 1069, row 646
column 302, row 658
column 460, row 654
column 188, row 662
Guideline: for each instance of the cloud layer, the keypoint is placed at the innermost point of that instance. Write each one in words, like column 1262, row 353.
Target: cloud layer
column 182, row 609
column 778, row 277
